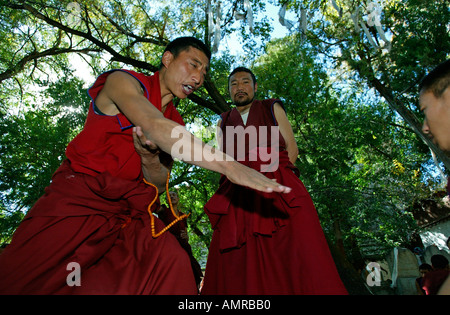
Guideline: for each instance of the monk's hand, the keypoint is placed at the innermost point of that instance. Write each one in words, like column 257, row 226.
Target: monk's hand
column 150, row 153
column 242, row 175
column 155, row 168
column 145, row 148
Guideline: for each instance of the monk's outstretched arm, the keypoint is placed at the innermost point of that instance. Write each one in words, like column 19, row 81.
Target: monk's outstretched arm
column 125, row 92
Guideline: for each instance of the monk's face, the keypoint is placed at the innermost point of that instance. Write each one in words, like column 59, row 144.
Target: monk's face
column 173, row 197
column 437, row 117
column 184, row 73
column 242, row 88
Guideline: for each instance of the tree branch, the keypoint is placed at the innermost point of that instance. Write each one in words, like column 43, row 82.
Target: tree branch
column 34, row 56
column 218, row 105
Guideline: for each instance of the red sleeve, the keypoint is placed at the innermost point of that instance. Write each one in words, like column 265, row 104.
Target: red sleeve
column 172, row 114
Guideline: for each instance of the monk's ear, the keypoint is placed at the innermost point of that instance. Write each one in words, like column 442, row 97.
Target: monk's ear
column 167, row 58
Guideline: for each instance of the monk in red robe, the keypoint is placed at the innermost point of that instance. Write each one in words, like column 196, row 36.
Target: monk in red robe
column 93, row 231
column 264, row 243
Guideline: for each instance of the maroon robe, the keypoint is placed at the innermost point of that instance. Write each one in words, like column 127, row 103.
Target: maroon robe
column 93, row 220
column 266, row 243
column 433, row 280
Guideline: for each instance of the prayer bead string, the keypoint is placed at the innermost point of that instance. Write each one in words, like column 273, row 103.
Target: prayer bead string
column 152, row 217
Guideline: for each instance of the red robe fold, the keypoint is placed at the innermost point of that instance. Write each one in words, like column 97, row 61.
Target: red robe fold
column 266, row 243
column 94, row 214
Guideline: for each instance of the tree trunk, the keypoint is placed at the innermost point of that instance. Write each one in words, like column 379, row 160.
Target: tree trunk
column 410, row 118
column 365, row 70
column 352, row 280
